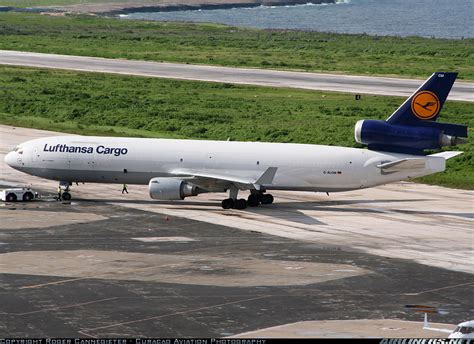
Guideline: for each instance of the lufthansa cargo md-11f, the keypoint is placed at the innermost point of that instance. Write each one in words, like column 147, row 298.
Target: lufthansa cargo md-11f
column 175, row 169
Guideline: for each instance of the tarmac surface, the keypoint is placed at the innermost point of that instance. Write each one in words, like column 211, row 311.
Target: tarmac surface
column 462, row 91
column 107, row 264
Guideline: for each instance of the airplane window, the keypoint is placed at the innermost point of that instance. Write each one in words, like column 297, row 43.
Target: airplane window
column 20, row 151
column 457, row 329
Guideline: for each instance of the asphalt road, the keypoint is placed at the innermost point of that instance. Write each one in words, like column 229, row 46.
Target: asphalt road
column 315, row 81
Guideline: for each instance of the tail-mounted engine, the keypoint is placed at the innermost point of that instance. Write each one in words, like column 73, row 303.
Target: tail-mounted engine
column 380, row 135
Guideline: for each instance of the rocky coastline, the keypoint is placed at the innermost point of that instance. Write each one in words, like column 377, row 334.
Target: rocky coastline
column 211, row 5
column 125, row 7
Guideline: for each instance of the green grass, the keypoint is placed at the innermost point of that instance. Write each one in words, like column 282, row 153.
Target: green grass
column 112, row 105
column 230, row 46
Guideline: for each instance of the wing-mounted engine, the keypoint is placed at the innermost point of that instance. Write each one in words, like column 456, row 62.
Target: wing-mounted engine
column 412, row 128
column 169, row 189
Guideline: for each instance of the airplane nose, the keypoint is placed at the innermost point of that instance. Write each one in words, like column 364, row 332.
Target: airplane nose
column 10, row 159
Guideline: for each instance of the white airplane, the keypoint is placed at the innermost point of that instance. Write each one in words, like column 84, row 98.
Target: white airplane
column 175, row 169
column 464, row 330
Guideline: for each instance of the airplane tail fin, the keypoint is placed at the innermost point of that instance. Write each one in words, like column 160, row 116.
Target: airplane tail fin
column 412, row 128
column 426, row 102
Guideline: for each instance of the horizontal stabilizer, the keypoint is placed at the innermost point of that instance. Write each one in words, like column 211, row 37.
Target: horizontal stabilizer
column 403, row 165
column 447, row 155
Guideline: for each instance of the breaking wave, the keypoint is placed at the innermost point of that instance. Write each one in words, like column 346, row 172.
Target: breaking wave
column 336, row 2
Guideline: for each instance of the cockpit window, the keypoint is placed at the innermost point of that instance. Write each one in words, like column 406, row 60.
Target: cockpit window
column 18, row 150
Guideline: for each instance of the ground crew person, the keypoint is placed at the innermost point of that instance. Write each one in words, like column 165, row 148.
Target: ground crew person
column 59, row 193
column 124, row 188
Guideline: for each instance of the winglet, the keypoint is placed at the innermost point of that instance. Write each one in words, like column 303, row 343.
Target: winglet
column 267, row 176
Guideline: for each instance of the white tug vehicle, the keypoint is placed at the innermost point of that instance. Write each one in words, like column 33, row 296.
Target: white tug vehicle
column 24, row 194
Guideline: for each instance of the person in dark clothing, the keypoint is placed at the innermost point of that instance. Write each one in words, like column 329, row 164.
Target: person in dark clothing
column 124, row 188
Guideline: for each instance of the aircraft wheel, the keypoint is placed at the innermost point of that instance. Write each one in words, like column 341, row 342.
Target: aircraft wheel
column 228, row 203
column 267, row 199
column 240, row 204
column 66, row 196
column 28, row 197
column 254, row 200
column 10, row 198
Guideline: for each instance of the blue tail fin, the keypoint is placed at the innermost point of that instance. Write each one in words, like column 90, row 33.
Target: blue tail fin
column 427, row 101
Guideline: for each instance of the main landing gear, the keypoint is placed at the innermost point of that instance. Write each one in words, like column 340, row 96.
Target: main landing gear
column 254, row 200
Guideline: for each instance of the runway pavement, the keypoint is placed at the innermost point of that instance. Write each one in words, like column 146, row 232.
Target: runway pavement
column 462, row 91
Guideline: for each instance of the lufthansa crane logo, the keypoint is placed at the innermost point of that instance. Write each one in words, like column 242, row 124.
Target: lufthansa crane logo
column 425, row 105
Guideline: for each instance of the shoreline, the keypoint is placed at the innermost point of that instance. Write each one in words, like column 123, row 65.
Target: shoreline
column 210, row 5
column 113, row 9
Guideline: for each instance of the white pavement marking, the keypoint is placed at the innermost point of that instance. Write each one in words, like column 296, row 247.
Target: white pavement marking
column 431, row 225
column 314, row 81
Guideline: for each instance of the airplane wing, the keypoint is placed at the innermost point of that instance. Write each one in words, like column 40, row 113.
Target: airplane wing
column 207, row 178
column 444, row 330
column 403, row 165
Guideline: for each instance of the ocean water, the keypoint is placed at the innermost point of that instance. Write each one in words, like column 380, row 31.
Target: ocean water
column 427, row 18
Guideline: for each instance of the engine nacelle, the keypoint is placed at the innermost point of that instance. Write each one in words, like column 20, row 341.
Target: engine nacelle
column 170, row 189
column 382, row 135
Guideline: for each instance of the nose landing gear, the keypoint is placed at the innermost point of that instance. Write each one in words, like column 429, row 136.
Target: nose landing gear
column 64, row 195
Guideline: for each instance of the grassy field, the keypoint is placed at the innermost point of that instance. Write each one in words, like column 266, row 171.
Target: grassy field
column 230, row 46
column 100, row 104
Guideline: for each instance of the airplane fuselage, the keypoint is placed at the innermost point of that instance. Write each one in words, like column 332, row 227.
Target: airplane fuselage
column 137, row 161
